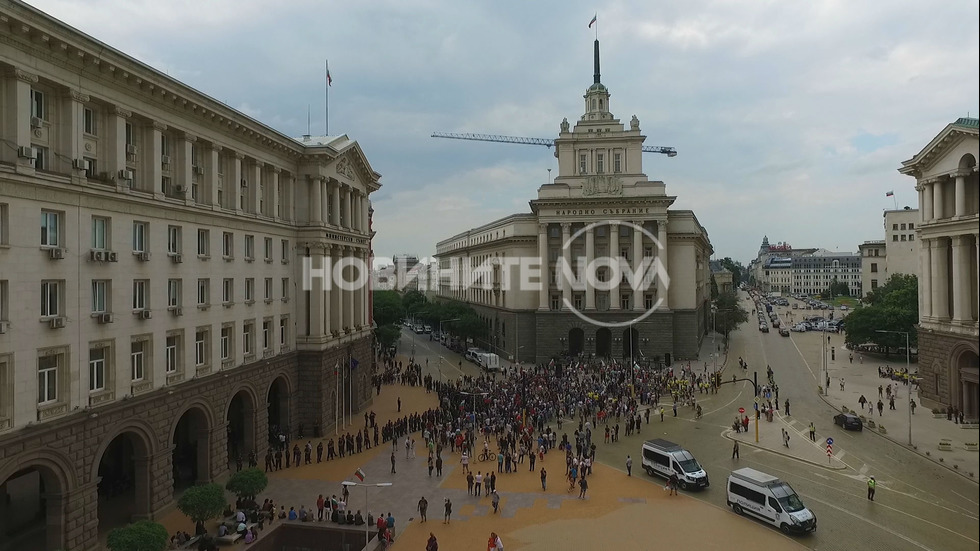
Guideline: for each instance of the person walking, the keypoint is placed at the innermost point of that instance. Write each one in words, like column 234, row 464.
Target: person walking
column 432, row 544
column 629, row 466
column 871, row 488
column 842, row 384
column 813, row 432
column 423, row 507
column 478, row 487
column 583, row 485
column 661, row 414
column 735, row 450
column 785, row 407
column 495, row 501
column 449, row 511
column 672, row 484
column 495, row 544
column 544, row 480
column 392, row 462
column 881, row 407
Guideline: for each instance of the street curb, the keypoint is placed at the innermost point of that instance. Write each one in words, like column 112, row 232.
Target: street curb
column 814, row 463
column 903, row 446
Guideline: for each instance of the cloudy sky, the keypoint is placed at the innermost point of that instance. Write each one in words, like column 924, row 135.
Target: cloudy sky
column 790, row 117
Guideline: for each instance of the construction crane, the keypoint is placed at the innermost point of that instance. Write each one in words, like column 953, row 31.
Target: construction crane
column 547, row 142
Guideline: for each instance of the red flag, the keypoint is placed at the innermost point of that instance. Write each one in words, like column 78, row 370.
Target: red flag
column 359, row 474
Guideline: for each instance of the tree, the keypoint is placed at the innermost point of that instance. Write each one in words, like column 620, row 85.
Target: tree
column 143, row 535
column 894, row 308
column 388, row 308
column 837, row 289
column 203, row 502
column 714, row 287
column 387, row 335
column 248, row 483
column 735, row 268
column 413, row 300
column 729, row 314
column 470, row 326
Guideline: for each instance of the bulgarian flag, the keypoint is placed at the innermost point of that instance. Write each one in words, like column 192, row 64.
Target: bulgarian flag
column 594, row 19
column 359, row 474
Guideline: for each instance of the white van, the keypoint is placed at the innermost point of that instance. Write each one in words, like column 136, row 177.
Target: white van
column 751, row 492
column 664, row 458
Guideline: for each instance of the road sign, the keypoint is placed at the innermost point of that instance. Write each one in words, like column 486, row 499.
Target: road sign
column 830, row 441
column 830, row 450
column 741, row 410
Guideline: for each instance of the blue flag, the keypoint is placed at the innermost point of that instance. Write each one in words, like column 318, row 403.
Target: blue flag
column 353, row 364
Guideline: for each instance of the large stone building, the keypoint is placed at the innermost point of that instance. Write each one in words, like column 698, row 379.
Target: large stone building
column 770, row 270
column 601, row 205
column 949, row 199
column 784, row 270
column 157, row 325
column 898, row 253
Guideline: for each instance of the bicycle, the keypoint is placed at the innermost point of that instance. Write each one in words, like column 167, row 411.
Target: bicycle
column 484, row 456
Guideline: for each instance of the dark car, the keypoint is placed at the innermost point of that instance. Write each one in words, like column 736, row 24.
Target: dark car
column 783, row 332
column 848, row 421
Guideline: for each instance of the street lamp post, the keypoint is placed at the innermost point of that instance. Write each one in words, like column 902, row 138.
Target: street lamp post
column 367, row 527
column 908, row 372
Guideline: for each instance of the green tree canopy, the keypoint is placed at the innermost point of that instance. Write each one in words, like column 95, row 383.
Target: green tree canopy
column 143, row 535
column 203, row 502
column 248, row 483
column 714, row 287
column 735, row 268
column 387, row 335
column 892, row 308
column 388, row 308
column 837, row 289
column 412, row 301
column 729, row 314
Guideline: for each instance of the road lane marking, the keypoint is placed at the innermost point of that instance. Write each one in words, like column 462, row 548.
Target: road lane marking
column 841, row 455
column 875, row 524
column 973, row 501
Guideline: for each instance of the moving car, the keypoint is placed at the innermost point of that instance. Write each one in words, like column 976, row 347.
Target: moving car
column 783, row 332
column 848, row 421
column 764, row 328
column 751, row 492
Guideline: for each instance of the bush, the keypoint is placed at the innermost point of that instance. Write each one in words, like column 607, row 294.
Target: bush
column 248, row 483
column 138, row 536
column 937, row 411
column 202, row 503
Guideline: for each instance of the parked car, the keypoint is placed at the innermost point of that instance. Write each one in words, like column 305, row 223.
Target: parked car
column 848, row 421
column 764, row 328
column 843, row 307
column 783, row 332
column 800, row 328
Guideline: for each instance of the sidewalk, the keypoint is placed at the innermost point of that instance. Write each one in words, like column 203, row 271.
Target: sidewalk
column 861, row 378
column 800, row 446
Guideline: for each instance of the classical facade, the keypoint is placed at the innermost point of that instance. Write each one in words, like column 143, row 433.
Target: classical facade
column 781, row 269
column 536, row 277
column 158, row 325
column 949, row 199
column 898, row 253
column 770, row 270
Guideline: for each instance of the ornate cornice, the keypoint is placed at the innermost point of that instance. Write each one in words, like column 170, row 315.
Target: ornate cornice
column 24, row 76
column 124, row 113
column 157, row 125
column 79, row 96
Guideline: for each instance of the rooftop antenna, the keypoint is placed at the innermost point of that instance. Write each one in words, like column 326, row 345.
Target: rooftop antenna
column 549, row 175
column 309, row 129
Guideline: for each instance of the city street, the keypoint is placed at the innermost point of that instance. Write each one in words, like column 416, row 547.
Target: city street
column 919, row 504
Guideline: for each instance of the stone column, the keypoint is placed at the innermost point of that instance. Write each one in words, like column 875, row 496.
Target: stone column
column 925, row 280
column 566, row 255
column 115, row 146
column 937, row 198
column 662, row 254
column 152, row 159
column 69, row 137
column 213, row 174
column 638, row 285
column 276, row 193
column 336, row 302
column 960, row 194
column 366, row 213
column 543, row 256
column 962, row 294
column 344, row 220
column 317, row 302
column 185, row 166
column 940, row 279
column 235, row 186
column 17, row 106
column 349, row 299
column 616, row 278
column 315, row 206
column 256, row 187
column 335, row 204
column 925, row 201
column 589, row 258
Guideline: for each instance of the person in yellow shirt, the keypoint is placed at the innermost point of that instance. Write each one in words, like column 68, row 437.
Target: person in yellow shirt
column 871, row 488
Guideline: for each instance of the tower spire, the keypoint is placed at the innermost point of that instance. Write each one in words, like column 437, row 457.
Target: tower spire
column 595, row 77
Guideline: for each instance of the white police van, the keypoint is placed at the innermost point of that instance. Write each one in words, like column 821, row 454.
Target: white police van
column 757, row 494
column 664, row 458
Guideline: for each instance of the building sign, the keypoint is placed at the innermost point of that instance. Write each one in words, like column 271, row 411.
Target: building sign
column 602, row 185
column 630, row 211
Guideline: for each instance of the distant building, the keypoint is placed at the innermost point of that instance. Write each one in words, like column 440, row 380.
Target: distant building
column 945, row 173
column 405, row 268
column 770, row 269
column 724, row 279
column 898, row 253
column 814, row 273
column 383, row 278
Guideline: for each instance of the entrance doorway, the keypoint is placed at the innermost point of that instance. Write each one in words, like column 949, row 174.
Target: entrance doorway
column 603, row 342
column 191, row 443
column 241, row 427
column 123, row 482
column 576, row 341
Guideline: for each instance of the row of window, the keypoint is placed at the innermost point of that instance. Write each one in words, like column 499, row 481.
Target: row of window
column 52, row 228
column 54, row 294
column 52, row 369
column 602, row 301
column 600, row 163
column 904, row 237
column 897, row 227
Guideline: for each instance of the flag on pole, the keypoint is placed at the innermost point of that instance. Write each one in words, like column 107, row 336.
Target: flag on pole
column 359, row 474
column 329, row 79
column 889, row 194
column 353, row 364
column 594, row 19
